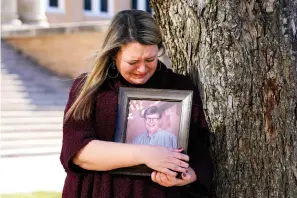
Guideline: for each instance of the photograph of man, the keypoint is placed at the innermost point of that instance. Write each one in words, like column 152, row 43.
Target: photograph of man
column 154, row 135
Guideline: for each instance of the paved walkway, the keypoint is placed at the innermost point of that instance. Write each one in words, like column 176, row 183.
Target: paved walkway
column 32, row 104
column 30, row 174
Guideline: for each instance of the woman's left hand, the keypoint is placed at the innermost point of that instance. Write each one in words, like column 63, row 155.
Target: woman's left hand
column 168, row 181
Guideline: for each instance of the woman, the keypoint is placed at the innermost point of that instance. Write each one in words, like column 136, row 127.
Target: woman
column 128, row 58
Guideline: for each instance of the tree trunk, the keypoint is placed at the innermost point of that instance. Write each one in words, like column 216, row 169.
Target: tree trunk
column 243, row 56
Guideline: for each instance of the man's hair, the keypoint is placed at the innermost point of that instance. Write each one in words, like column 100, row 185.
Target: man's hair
column 152, row 110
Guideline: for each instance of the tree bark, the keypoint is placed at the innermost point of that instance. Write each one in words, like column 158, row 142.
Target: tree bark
column 243, row 56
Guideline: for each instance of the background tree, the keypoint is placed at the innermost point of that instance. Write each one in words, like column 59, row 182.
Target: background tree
column 243, row 56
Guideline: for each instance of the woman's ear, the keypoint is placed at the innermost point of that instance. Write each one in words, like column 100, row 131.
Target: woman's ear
column 114, row 54
column 113, row 57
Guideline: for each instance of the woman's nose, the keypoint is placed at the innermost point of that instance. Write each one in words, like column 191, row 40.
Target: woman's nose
column 141, row 68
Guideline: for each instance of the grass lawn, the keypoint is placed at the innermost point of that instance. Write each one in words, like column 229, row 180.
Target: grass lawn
column 33, row 195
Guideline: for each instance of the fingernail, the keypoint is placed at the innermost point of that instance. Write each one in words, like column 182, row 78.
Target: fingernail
column 180, row 148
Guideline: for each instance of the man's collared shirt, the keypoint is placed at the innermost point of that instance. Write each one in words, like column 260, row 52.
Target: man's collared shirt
column 160, row 138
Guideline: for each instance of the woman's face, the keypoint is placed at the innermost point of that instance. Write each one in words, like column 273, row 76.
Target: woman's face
column 137, row 62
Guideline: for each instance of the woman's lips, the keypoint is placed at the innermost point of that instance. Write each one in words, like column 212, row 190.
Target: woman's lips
column 139, row 75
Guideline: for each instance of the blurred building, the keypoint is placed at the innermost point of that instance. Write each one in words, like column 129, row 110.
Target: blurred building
column 64, row 11
column 49, row 31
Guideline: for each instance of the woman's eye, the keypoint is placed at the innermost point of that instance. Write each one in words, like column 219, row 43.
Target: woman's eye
column 133, row 63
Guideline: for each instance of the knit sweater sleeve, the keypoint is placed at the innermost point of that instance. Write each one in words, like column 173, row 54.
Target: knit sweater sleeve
column 76, row 133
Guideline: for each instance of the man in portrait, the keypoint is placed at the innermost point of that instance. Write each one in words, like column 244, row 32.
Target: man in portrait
column 154, row 135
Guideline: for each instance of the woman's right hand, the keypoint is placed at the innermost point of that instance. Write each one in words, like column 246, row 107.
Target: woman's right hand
column 165, row 160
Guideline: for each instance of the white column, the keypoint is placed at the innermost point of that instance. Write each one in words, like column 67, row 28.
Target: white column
column 9, row 13
column 33, row 11
column 141, row 5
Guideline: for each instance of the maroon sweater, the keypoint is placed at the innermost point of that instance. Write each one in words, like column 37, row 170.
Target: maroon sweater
column 101, row 126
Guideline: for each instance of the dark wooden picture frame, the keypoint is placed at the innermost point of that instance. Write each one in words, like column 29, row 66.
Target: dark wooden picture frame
column 126, row 94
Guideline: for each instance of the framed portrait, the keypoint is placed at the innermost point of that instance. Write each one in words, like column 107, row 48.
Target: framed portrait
column 153, row 117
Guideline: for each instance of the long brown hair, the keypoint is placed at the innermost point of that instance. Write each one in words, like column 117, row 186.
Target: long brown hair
column 126, row 26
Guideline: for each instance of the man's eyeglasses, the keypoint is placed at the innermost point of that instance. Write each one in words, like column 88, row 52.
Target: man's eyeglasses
column 151, row 119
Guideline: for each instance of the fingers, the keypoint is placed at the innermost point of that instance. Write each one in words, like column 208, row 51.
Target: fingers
column 176, row 150
column 181, row 156
column 186, row 176
column 175, row 162
column 160, row 178
column 176, row 168
column 163, row 178
column 168, row 172
column 170, row 161
column 153, row 176
column 180, row 163
column 167, row 181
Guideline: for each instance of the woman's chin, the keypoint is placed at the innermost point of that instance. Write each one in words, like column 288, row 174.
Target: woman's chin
column 139, row 81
